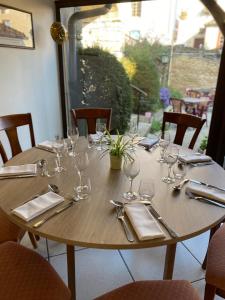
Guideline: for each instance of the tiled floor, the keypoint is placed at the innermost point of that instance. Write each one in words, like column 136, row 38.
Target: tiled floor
column 99, row 271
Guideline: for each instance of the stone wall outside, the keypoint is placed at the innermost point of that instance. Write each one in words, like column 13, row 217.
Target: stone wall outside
column 193, row 71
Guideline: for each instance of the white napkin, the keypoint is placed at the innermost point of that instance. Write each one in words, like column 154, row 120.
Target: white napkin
column 96, row 137
column 204, row 191
column 48, row 145
column 19, row 170
column 143, row 222
column 37, row 206
column 149, row 142
column 194, row 158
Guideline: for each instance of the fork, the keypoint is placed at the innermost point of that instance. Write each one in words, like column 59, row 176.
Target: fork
column 205, row 200
column 120, row 216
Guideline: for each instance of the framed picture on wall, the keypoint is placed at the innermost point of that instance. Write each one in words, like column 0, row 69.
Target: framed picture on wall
column 16, row 28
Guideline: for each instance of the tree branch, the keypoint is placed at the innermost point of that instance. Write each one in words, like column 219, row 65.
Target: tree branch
column 217, row 12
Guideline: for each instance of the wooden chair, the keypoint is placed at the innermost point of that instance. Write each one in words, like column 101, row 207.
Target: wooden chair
column 176, row 104
column 183, row 121
column 153, row 290
column 91, row 115
column 215, row 266
column 27, row 275
column 9, row 124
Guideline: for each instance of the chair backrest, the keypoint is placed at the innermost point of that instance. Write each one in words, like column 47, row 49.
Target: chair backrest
column 91, row 115
column 183, row 121
column 177, row 104
column 202, row 108
column 9, row 124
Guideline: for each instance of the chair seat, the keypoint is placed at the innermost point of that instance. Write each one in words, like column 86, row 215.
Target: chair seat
column 8, row 230
column 215, row 272
column 24, row 274
column 154, row 290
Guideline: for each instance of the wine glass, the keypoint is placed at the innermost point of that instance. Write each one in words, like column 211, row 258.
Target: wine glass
column 83, row 190
column 81, row 163
column 58, row 146
column 163, row 144
column 131, row 168
column 146, row 189
column 179, row 170
column 170, row 157
column 100, row 129
column 73, row 135
column 132, row 133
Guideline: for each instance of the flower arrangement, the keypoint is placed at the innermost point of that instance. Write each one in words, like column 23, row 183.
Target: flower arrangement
column 119, row 148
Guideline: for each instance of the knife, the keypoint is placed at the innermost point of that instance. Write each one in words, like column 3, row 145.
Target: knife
column 17, row 176
column 45, row 148
column 206, row 184
column 163, row 222
column 39, row 223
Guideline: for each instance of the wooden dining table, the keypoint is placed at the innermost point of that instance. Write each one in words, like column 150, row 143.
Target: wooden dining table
column 92, row 222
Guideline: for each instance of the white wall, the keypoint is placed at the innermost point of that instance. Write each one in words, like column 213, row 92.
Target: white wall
column 29, row 79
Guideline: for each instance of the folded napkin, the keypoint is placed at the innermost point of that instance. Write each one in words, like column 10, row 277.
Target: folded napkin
column 96, row 137
column 149, row 142
column 143, row 222
column 37, row 206
column 204, row 191
column 48, row 145
column 194, row 158
column 28, row 169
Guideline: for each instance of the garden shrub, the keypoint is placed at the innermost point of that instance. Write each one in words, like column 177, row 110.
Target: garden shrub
column 105, row 84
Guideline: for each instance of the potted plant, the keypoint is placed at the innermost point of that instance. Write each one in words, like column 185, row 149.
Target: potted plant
column 118, row 149
column 203, row 144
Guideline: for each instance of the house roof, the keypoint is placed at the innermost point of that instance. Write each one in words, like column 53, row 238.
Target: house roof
column 6, row 31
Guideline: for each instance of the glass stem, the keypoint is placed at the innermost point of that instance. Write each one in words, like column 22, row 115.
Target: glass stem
column 169, row 171
column 80, row 177
column 131, row 186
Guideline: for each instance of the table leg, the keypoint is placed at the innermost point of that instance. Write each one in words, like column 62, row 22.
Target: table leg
column 169, row 261
column 71, row 271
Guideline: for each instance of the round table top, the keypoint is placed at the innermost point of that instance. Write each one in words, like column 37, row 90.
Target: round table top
column 93, row 222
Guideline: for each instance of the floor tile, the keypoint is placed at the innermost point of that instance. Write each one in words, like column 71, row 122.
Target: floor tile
column 200, row 286
column 149, row 263
column 42, row 250
column 198, row 245
column 97, row 272
column 56, row 248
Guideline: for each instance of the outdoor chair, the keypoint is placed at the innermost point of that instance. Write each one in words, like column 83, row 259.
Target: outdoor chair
column 202, row 110
column 91, row 115
column 9, row 125
column 153, row 290
column 215, row 266
column 183, row 121
column 27, row 275
column 176, row 104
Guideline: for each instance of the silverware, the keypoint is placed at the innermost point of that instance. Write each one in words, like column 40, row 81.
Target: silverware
column 207, row 185
column 17, row 176
column 205, row 200
column 121, row 204
column 180, row 185
column 53, row 214
column 120, row 216
column 162, row 221
column 199, row 164
column 45, row 149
